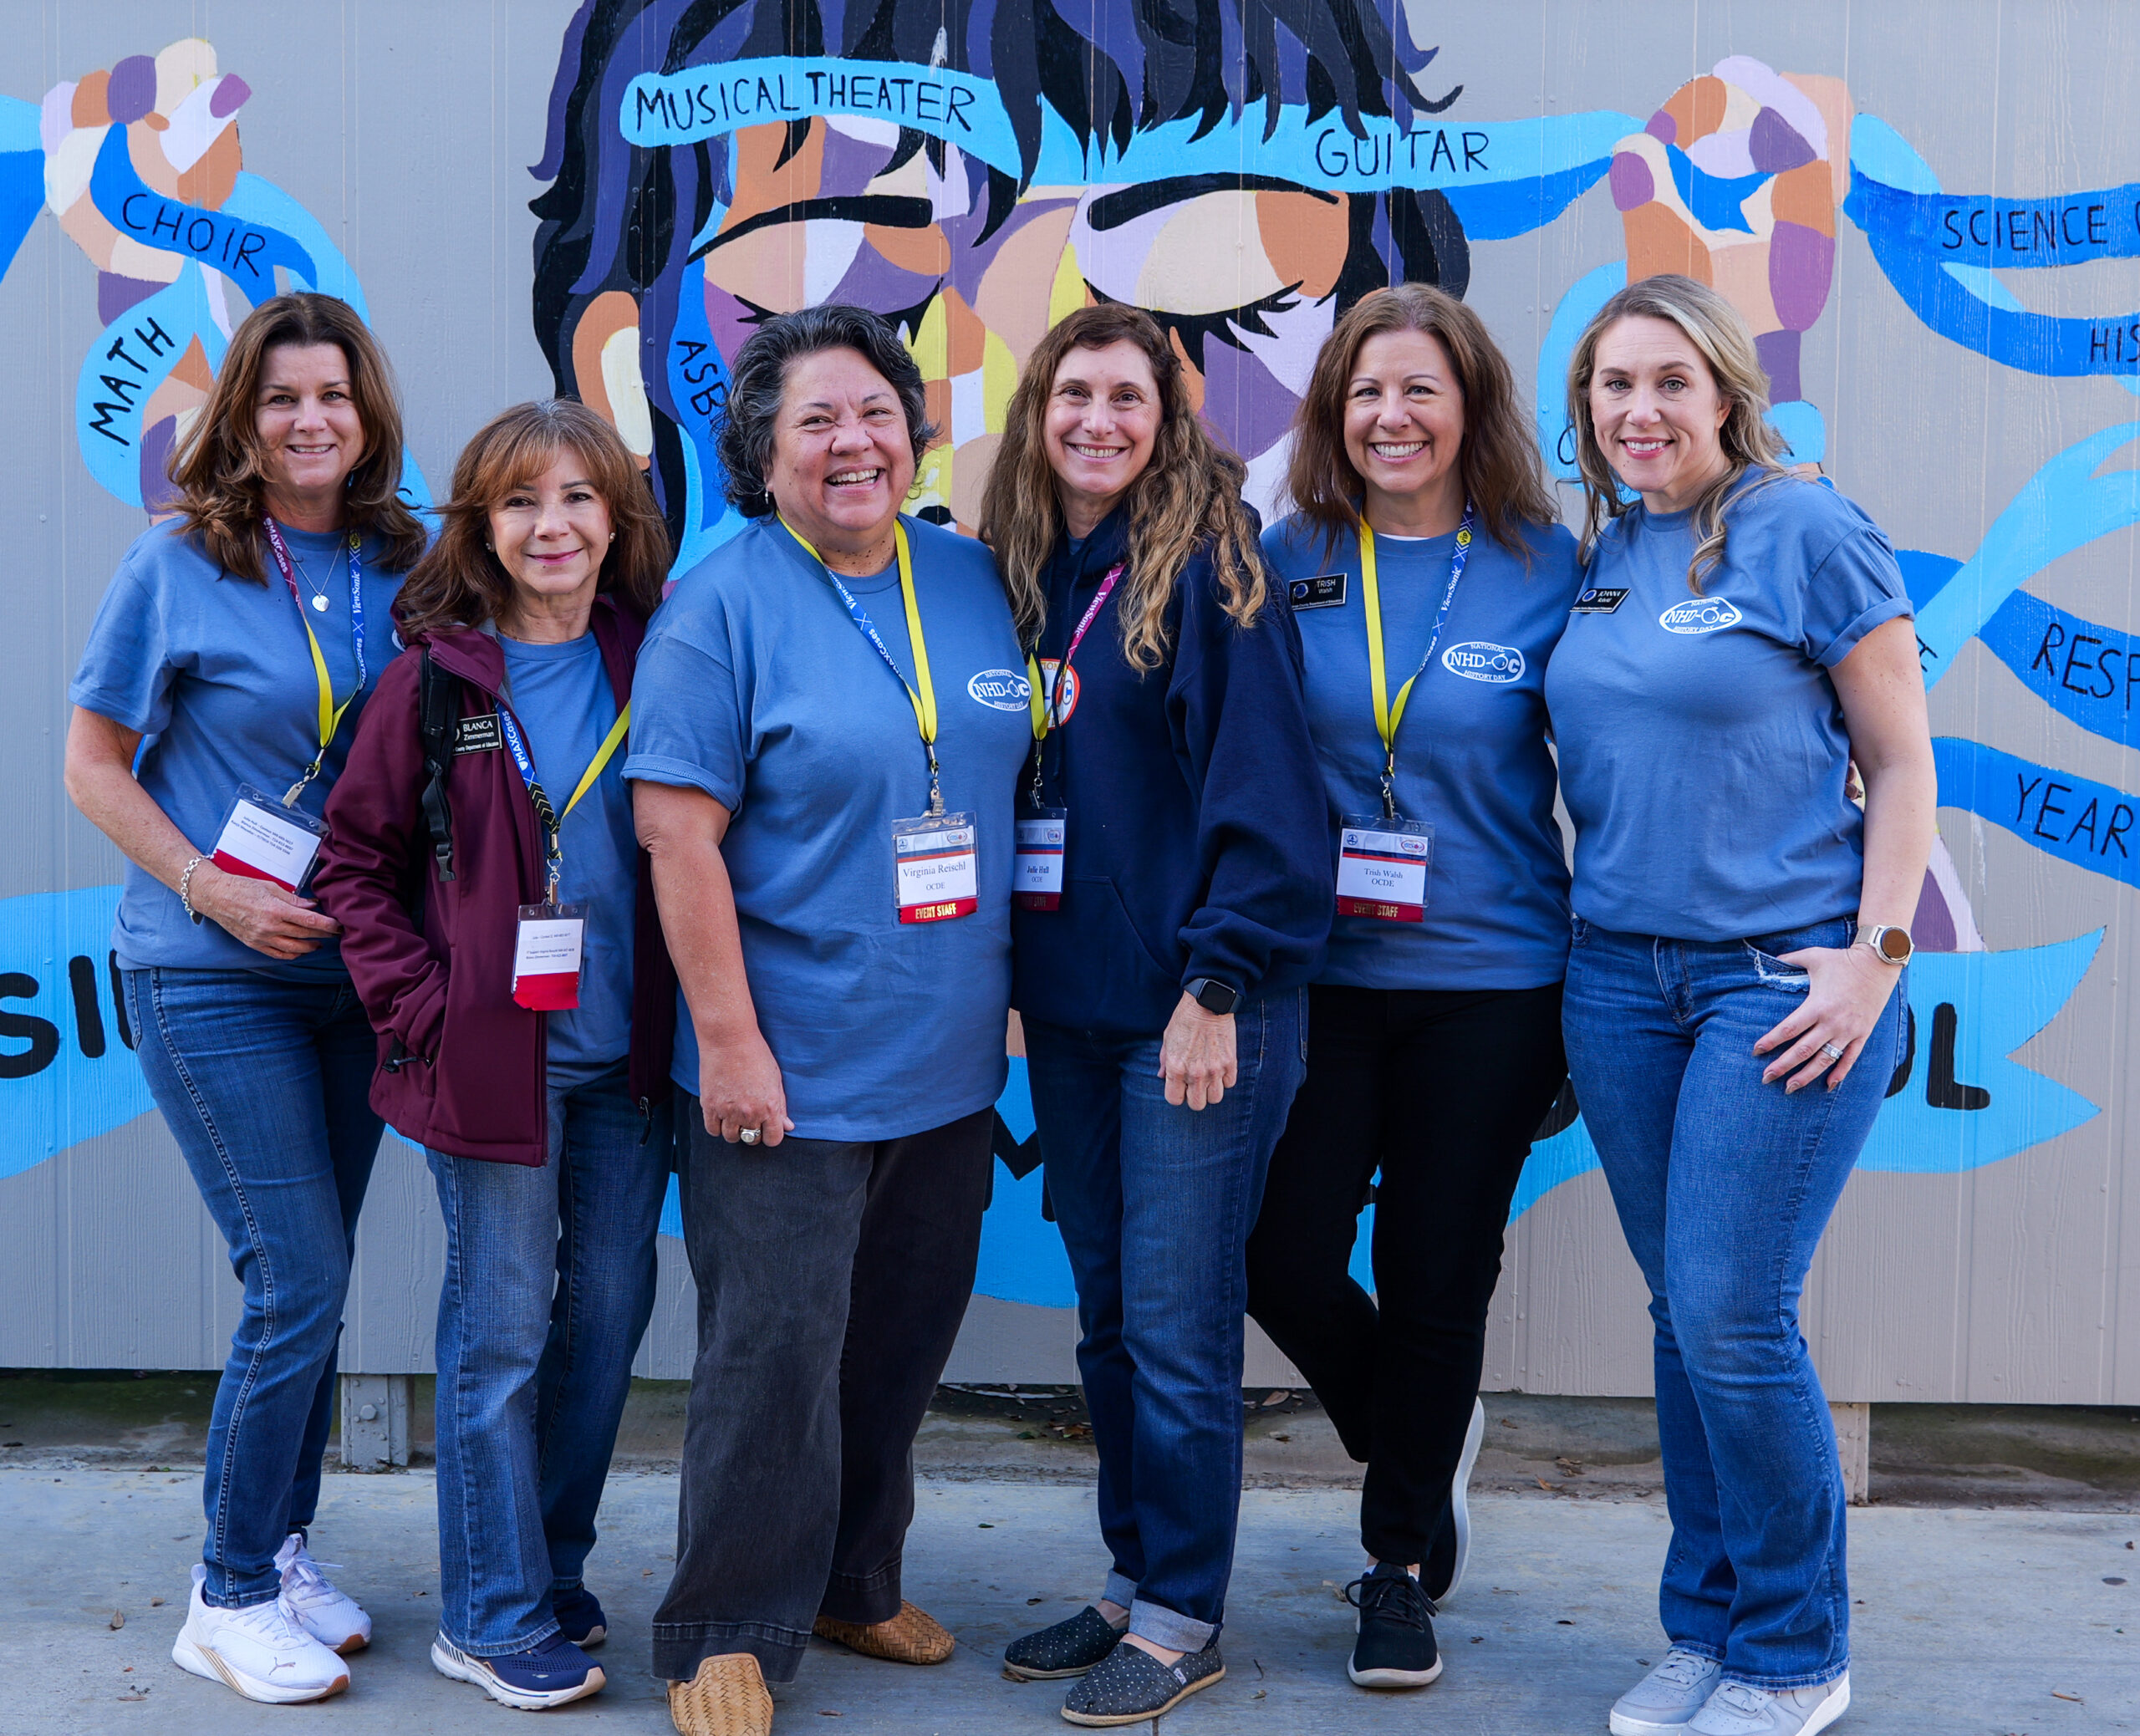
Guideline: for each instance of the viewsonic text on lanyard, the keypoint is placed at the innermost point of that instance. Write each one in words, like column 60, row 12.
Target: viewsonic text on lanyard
column 936, row 868
column 265, row 839
column 1043, row 831
column 1384, row 860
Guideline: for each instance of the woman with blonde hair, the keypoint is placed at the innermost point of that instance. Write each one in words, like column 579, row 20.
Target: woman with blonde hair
column 1734, row 1010
column 499, row 923
column 1431, row 578
column 1173, row 893
column 233, row 641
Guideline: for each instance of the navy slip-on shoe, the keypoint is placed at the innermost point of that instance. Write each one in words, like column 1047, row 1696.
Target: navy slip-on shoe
column 1129, row 1686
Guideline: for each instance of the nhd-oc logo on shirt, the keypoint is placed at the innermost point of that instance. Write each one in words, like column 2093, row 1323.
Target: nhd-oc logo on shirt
column 1482, row 660
column 1700, row 614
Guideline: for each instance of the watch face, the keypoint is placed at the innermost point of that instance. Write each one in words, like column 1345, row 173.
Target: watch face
column 1896, row 946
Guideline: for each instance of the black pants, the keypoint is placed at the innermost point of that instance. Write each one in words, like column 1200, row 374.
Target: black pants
column 832, row 1279
column 1442, row 1091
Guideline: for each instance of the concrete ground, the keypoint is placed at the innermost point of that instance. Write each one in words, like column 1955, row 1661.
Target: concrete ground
column 1996, row 1620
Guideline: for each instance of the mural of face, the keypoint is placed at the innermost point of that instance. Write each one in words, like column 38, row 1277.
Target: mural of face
column 655, row 263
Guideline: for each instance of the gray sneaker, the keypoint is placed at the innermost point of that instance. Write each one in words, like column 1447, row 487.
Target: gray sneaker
column 1735, row 1709
column 1665, row 1701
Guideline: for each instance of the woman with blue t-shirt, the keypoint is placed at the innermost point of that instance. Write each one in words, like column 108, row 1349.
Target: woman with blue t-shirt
column 827, row 730
column 239, row 640
column 1174, row 892
column 497, row 922
column 1431, row 580
column 1733, row 1014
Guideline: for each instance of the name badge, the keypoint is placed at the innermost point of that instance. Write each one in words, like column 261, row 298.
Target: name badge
column 935, row 875
column 1326, row 590
column 1382, row 867
column 264, row 840
column 1598, row 600
column 1036, row 872
column 477, row 735
column 546, row 957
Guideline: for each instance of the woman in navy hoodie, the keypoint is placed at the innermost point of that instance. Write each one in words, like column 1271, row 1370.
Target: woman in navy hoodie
column 499, row 923
column 1174, row 891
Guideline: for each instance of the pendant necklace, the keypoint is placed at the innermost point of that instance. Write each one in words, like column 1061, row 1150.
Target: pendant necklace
column 318, row 596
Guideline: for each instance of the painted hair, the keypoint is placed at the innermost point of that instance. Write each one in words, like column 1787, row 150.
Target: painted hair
column 219, row 468
column 618, row 217
column 759, row 385
column 1720, row 338
column 1503, row 474
column 1187, row 500
column 460, row 582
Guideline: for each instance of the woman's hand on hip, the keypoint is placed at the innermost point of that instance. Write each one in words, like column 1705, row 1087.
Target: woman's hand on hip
column 265, row 916
column 1196, row 1056
column 1846, row 991
column 740, row 1088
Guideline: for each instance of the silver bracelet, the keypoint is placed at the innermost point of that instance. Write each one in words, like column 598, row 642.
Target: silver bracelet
column 185, row 889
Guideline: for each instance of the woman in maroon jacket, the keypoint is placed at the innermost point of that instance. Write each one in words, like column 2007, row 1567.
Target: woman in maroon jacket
column 499, row 923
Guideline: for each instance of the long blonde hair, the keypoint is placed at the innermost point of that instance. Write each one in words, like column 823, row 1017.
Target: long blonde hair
column 1188, row 500
column 1716, row 330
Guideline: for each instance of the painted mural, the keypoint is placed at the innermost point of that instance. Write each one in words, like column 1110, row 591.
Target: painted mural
column 1243, row 169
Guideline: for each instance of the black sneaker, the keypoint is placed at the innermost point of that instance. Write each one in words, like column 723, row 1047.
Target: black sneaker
column 1129, row 1686
column 1442, row 1571
column 1396, row 1646
column 1069, row 1649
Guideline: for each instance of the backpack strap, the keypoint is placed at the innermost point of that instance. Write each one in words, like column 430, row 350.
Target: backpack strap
column 438, row 714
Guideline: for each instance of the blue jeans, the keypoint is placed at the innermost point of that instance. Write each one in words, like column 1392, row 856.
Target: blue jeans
column 1723, row 1185
column 264, row 1082
column 549, row 1284
column 1155, row 1204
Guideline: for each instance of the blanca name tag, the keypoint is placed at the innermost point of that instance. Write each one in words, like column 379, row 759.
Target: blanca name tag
column 1382, row 868
column 265, row 840
column 1326, row 590
column 1036, row 870
column 1598, row 600
column 546, row 957
column 477, row 735
column 935, row 875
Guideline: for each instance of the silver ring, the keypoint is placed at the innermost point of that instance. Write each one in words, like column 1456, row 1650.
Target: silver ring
column 1832, row 1052
column 749, row 1136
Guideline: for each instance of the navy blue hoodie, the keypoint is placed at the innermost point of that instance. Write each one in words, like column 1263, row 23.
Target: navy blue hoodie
column 1198, row 844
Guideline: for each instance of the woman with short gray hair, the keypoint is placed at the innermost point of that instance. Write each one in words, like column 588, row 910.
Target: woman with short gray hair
column 836, row 894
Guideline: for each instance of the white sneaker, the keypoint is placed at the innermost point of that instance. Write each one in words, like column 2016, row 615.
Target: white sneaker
column 1666, row 1700
column 1735, row 1709
column 333, row 1617
column 261, row 1651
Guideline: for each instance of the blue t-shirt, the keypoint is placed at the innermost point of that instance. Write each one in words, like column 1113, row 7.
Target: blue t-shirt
column 215, row 673
column 1472, row 759
column 756, row 686
column 561, row 696
column 1703, row 752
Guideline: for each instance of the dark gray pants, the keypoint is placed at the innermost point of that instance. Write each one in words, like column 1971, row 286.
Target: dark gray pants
column 831, row 1279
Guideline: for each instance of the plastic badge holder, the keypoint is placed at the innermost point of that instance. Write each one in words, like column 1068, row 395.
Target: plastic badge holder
column 936, row 876
column 1382, row 866
column 545, row 954
column 263, row 840
column 1037, row 876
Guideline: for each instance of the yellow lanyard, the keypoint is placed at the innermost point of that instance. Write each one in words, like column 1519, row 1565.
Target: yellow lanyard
column 610, row 743
column 924, row 702
column 1387, row 717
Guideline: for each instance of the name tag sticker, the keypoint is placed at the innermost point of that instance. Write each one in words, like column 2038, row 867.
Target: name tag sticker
column 1326, row 590
column 546, row 957
column 477, row 735
column 1598, row 600
column 935, row 874
column 1382, row 866
column 264, row 840
column 1036, row 871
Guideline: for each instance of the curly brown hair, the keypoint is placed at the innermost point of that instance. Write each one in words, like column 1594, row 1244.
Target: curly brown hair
column 460, row 582
column 220, row 468
column 1187, row 500
column 1502, row 472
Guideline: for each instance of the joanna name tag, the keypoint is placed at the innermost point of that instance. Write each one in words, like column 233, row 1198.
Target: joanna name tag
column 1382, row 868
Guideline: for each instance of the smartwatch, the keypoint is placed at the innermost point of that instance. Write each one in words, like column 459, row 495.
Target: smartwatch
column 1890, row 945
column 1212, row 996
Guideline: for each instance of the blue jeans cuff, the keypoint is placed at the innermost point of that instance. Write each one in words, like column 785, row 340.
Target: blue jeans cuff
column 1170, row 1628
column 1779, row 1684
column 505, row 1649
column 1121, row 1592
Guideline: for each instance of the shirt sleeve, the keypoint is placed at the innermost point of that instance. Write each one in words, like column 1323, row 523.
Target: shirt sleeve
column 687, row 720
column 1857, row 588
column 127, row 668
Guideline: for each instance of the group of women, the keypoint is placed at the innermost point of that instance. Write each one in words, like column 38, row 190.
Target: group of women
column 1255, row 830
